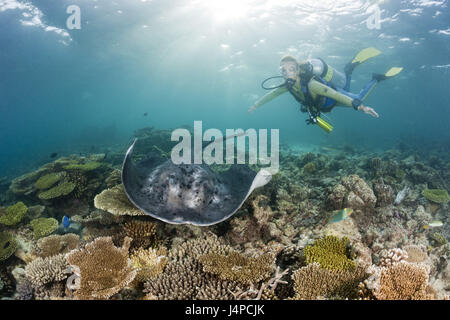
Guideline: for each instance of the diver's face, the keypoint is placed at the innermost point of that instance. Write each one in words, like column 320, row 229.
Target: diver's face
column 289, row 70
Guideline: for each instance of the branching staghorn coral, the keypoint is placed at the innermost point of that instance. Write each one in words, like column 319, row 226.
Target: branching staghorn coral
column 104, row 269
column 143, row 233
column 330, row 253
column 148, row 263
column 313, row 282
column 185, row 280
column 183, row 277
column 402, row 281
column 237, row 267
column 42, row 271
column 265, row 292
column 401, row 275
column 198, row 247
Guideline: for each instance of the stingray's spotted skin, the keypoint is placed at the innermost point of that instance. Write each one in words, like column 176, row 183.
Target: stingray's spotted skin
column 189, row 194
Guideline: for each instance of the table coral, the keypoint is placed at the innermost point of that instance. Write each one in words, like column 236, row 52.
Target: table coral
column 8, row 245
column 88, row 166
column 62, row 189
column 48, row 180
column 436, row 195
column 14, row 214
column 115, row 201
column 58, row 244
column 43, row 227
column 104, row 268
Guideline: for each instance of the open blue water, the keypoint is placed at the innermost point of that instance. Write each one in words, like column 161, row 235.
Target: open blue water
column 65, row 90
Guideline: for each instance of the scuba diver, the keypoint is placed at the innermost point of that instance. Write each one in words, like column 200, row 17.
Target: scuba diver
column 319, row 87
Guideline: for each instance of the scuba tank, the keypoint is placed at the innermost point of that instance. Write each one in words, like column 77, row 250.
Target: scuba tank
column 319, row 68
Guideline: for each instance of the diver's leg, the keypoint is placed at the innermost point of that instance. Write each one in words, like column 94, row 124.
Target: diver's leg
column 347, row 93
column 348, row 80
column 364, row 93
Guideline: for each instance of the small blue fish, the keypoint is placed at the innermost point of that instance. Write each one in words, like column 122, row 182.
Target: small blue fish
column 66, row 222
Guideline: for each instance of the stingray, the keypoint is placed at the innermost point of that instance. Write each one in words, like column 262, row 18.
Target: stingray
column 187, row 193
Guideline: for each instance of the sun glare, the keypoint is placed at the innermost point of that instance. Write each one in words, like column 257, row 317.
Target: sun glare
column 227, row 10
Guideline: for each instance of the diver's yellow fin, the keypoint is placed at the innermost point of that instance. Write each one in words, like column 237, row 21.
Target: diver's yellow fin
column 366, row 54
column 393, row 71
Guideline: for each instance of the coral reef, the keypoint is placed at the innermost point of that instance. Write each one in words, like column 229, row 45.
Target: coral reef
column 42, row 271
column 142, row 233
column 8, row 245
column 62, row 189
column 87, row 166
column 48, row 180
column 436, row 195
column 57, row 244
column 115, row 201
column 314, row 282
column 14, row 214
column 103, row 268
column 236, row 267
column 279, row 245
column 402, row 281
column 352, row 192
column 149, row 263
column 330, row 253
column 43, row 227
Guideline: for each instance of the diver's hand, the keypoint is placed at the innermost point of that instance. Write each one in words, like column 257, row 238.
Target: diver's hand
column 369, row 111
column 253, row 108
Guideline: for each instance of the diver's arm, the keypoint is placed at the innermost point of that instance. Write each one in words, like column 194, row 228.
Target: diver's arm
column 317, row 88
column 268, row 97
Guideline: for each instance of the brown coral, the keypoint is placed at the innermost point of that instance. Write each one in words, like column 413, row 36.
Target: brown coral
column 148, row 263
column 352, row 192
column 312, row 282
column 184, row 278
column 237, row 267
column 103, row 268
column 115, row 201
column 57, row 244
column 143, row 233
column 403, row 281
column 42, row 271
